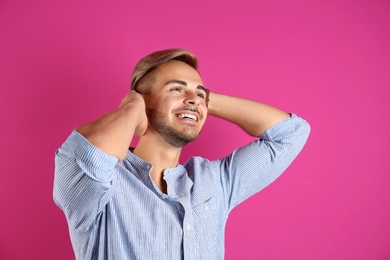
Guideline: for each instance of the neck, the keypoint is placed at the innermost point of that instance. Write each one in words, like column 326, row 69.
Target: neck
column 160, row 154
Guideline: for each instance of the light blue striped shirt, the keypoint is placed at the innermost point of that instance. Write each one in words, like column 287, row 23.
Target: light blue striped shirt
column 114, row 210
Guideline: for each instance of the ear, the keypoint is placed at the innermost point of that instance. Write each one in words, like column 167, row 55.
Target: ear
column 207, row 97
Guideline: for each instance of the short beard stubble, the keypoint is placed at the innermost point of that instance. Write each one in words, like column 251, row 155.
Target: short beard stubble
column 171, row 135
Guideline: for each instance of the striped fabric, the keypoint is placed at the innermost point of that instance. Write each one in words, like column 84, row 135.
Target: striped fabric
column 114, row 210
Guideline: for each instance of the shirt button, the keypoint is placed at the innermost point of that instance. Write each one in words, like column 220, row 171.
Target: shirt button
column 188, row 227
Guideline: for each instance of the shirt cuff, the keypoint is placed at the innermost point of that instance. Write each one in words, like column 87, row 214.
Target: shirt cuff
column 294, row 125
column 93, row 161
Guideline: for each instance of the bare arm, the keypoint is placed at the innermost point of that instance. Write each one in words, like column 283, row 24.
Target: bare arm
column 113, row 132
column 253, row 117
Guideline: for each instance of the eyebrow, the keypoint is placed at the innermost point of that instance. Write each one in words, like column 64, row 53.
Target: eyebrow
column 183, row 83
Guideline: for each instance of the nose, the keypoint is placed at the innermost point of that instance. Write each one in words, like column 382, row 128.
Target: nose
column 191, row 99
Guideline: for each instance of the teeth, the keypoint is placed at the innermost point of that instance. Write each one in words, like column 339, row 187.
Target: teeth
column 188, row 116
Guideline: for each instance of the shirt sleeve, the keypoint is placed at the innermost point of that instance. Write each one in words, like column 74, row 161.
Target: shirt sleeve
column 83, row 181
column 253, row 167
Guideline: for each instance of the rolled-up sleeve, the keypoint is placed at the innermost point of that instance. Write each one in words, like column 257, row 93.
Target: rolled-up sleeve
column 83, row 181
column 253, row 167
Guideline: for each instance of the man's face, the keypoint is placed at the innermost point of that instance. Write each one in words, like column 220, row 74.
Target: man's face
column 176, row 107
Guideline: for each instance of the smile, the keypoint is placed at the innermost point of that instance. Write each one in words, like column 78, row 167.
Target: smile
column 188, row 116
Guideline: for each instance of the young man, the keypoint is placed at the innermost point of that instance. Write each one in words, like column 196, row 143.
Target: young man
column 141, row 203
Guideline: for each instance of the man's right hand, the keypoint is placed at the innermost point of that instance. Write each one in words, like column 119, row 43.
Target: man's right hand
column 134, row 100
column 113, row 132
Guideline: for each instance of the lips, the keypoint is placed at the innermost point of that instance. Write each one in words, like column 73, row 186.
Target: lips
column 188, row 116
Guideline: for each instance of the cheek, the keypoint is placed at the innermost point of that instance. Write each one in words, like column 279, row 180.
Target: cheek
column 167, row 104
column 203, row 107
column 204, row 110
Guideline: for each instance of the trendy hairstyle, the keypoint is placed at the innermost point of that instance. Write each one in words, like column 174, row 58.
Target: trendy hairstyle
column 149, row 63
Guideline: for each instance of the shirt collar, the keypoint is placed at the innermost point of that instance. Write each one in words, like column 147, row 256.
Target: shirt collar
column 178, row 182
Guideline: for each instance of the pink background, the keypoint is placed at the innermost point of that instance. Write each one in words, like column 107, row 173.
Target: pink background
column 63, row 63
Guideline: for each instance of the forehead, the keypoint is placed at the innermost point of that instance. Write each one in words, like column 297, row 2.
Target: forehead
column 177, row 70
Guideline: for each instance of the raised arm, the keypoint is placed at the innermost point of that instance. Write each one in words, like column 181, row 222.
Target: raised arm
column 251, row 168
column 84, row 172
column 253, row 117
column 113, row 132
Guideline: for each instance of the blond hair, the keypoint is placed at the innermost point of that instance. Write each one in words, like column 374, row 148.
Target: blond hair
column 153, row 60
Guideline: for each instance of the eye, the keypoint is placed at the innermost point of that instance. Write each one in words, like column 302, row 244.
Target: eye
column 200, row 95
column 176, row 89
